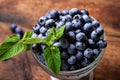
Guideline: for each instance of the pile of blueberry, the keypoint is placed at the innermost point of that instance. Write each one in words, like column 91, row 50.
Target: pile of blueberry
column 18, row 30
column 82, row 40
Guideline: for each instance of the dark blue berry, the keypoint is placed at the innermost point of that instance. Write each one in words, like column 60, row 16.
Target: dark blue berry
column 96, row 52
column 64, row 12
column 47, row 32
column 74, row 11
column 36, row 29
column 64, row 55
column 77, row 24
column 69, row 18
column 81, row 37
column 58, row 25
column 86, row 18
column 102, row 43
column 84, row 11
column 43, row 30
column 42, row 20
column 13, row 27
column 71, row 60
column 19, row 30
column 54, row 14
column 100, row 31
column 95, row 23
column 64, row 43
column 71, row 35
column 88, row 28
column 79, row 55
column 65, row 66
column 94, row 36
column 85, row 62
column 68, row 26
column 88, row 53
column 71, row 51
column 80, row 45
column 63, row 19
column 77, row 16
column 50, row 23
column 78, row 31
column 91, row 43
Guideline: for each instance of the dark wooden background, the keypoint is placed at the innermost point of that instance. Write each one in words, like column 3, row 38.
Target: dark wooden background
column 26, row 13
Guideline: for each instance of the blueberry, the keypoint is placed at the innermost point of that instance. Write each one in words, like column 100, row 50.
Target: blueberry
column 50, row 23
column 85, row 62
column 64, row 43
column 71, row 35
column 47, row 32
column 77, row 31
column 74, row 11
column 69, row 26
column 64, row 55
column 95, row 23
column 64, row 66
column 84, row 11
column 86, row 18
column 71, row 60
column 77, row 23
column 42, row 20
column 100, row 31
column 79, row 55
column 68, row 18
column 43, row 30
column 57, row 44
column 80, row 45
column 40, row 36
column 18, row 30
column 36, row 29
column 77, row 16
column 54, row 14
column 73, row 67
column 91, row 43
column 71, row 51
column 88, row 28
column 101, row 43
column 36, row 48
column 94, row 36
column 64, row 12
column 88, row 53
column 13, row 27
column 96, row 52
column 81, row 37
column 34, row 35
column 58, row 25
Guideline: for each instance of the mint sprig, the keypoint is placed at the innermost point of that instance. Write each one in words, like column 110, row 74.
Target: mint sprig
column 13, row 45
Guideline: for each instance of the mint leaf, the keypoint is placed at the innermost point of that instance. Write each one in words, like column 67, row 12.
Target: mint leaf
column 12, row 51
column 10, row 41
column 32, row 40
column 52, row 57
column 53, row 31
column 27, row 35
column 60, row 32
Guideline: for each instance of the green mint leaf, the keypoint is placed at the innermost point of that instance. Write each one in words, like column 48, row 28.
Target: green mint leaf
column 48, row 39
column 52, row 57
column 10, row 41
column 32, row 40
column 53, row 31
column 60, row 32
column 27, row 35
column 12, row 51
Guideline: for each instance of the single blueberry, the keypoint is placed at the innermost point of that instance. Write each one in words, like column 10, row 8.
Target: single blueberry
column 13, row 27
column 78, row 31
column 19, row 30
column 36, row 29
column 77, row 16
column 64, row 55
column 100, row 31
column 64, row 12
column 80, row 45
column 47, row 32
column 77, row 23
column 91, row 43
column 64, row 43
column 71, row 60
column 74, row 11
column 102, row 43
column 88, row 28
column 81, row 37
column 84, row 11
column 71, row 49
column 71, row 35
column 94, row 36
column 43, row 30
column 79, row 55
column 96, row 52
column 86, row 18
column 42, row 20
column 69, row 18
column 85, row 62
column 34, row 35
column 50, row 23
column 69, row 26
column 95, row 23
column 88, row 53
column 54, row 14
column 64, row 66
column 58, row 25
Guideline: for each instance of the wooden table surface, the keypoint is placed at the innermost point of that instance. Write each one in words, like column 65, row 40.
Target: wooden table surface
column 26, row 13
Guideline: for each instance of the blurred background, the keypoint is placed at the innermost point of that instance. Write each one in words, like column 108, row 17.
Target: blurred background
column 26, row 13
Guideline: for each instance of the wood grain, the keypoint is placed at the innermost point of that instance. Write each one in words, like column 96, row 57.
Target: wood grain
column 26, row 13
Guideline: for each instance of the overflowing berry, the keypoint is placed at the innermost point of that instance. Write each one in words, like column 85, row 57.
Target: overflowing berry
column 81, row 42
